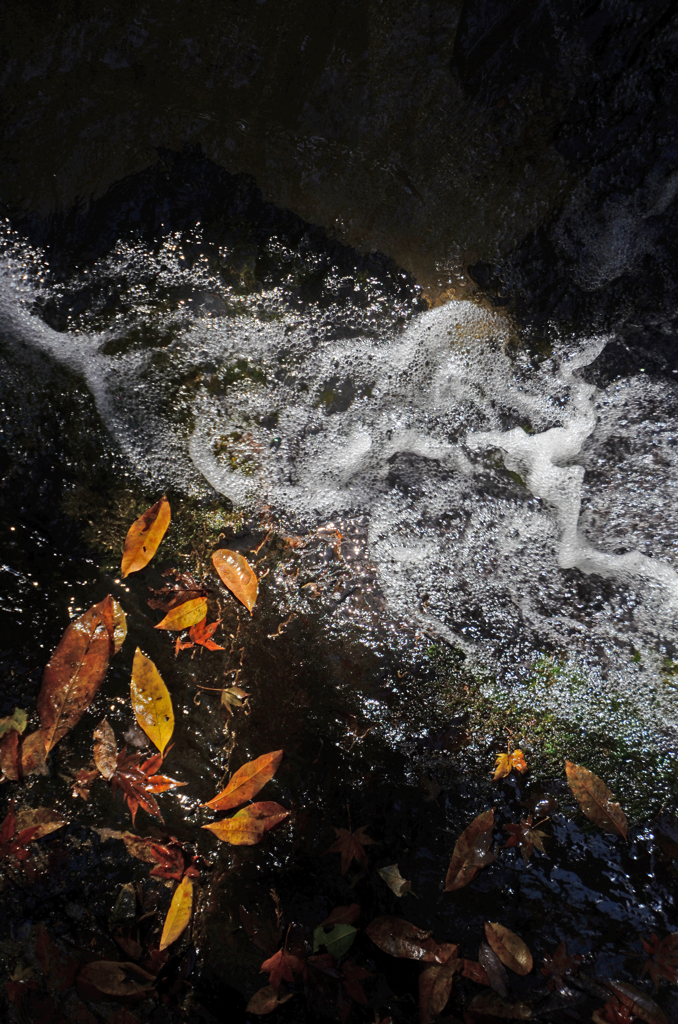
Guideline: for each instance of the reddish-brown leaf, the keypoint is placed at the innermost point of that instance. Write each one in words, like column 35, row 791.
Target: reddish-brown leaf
column 353, row 976
column 105, row 749
column 43, row 819
column 509, row 947
column 185, row 588
column 613, row 1012
column 202, row 634
column 83, row 782
column 144, row 537
column 114, row 978
column 343, row 915
column 663, row 958
column 246, row 782
column 405, row 940
column 58, row 969
column 10, row 762
column 596, row 800
column 264, row 931
column 637, row 1002
column 266, row 1000
column 351, row 846
column 435, row 986
column 282, row 966
column 138, row 782
column 471, row 852
column 475, row 972
column 237, row 574
column 557, row 966
column 526, row 837
column 33, row 755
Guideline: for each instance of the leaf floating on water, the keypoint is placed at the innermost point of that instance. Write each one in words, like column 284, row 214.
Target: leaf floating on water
column 506, row 763
column 139, row 782
column 557, row 966
column 343, row 915
column 10, row 758
column 475, row 972
column 236, row 573
column 105, row 749
column 151, row 701
column 435, row 987
column 184, row 615
column 266, row 1000
column 351, row 846
column 179, row 913
column 407, row 941
column 17, row 721
column 144, row 537
column 202, row 634
column 233, row 697
column 663, row 962
column 596, row 800
column 246, row 782
column 471, row 851
column 494, row 969
column 394, row 880
column 116, row 623
column 510, row 948
column 282, row 966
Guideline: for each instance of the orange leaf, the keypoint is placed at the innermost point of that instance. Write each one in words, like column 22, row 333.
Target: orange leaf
column 151, row 701
column 282, row 966
column 179, row 913
column 202, row 634
column 510, row 948
column 143, row 537
column 238, row 831
column 405, row 940
column 506, row 763
column 246, row 782
column 105, row 749
column 596, row 800
column 236, row 573
column 471, row 851
column 185, row 615
column 267, row 812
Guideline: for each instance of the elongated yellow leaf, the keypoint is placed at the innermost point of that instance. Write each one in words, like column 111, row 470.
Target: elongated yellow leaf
column 246, row 782
column 179, row 913
column 185, row 615
column 237, row 574
column 119, row 626
column 245, row 831
column 151, row 701
column 143, row 537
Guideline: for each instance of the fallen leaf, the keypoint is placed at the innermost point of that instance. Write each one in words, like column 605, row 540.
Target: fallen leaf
column 282, row 966
column 394, row 880
column 10, row 759
column 233, row 697
column 138, row 782
column 247, row 826
column 151, row 701
column 509, row 947
column 266, row 1000
column 637, row 1002
column 185, row 588
column 475, row 972
column 114, row 978
column 405, row 940
column 246, row 782
column 343, row 915
column 75, row 671
column 33, row 755
column 202, row 634
column 116, row 622
column 173, row 861
column 353, row 975
column 495, row 970
column 105, row 749
column 596, row 800
column 494, row 1006
column 506, row 763
column 58, row 969
column 14, row 842
column 43, row 819
column 266, row 931
column 178, row 915
column 144, row 537
column 337, row 941
column 526, row 837
column 663, row 962
column 83, row 781
column 236, row 573
column 185, row 615
column 17, row 722
column 351, row 846
column 471, row 851
column 613, row 1012
column 435, row 986
column 557, row 966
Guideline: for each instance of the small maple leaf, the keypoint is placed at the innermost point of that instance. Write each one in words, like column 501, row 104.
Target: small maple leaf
column 526, row 837
column 173, row 861
column 663, row 954
column 200, row 634
column 13, row 844
column 83, row 780
column 508, row 762
column 351, row 846
column 282, row 966
column 557, row 966
column 139, row 782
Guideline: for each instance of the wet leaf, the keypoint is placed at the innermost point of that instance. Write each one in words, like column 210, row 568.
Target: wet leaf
column 151, row 701
column 233, row 697
column 83, row 781
column 113, row 978
column 178, row 915
column 526, row 837
column 202, row 634
column 33, row 755
column 116, row 621
column 637, row 1002
column 105, row 749
column 613, row 1012
column 471, row 852
column 557, row 966
column 58, row 969
column 144, row 537
column 509, row 947
column 185, row 588
column 475, row 972
column 506, row 763
column 352, row 976
column 282, row 966
column 14, row 842
column 596, row 800
column 75, row 672
column 402, row 939
column 248, row 826
column 343, row 915
column 17, row 722
column 394, row 880
column 10, row 759
column 237, row 574
column 139, row 782
column 663, row 962
column 173, row 861
column 435, row 986
column 266, row 1000
column 494, row 1006
column 43, row 819
column 185, row 615
column 247, row 782
column 266, row 931
column 337, row 941
column 351, row 846
column 495, row 970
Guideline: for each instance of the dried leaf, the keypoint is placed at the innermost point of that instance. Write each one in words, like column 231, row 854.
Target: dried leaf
column 33, row 755
column 42, row 819
column 151, row 701
column 113, row 978
column 144, row 537
column 58, row 969
column 394, row 880
column 637, row 1002
column 202, row 634
column 116, row 621
column 663, row 962
column 351, row 846
column 83, row 781
column 247, row 782
column 509, row 947
column 596, row 800
column 282, row 966
column 337, row 941
column 236, row 573
column 10, row 759
column 17, row 722
column 435, row 986
column 75, row 671
column 185, row 615
column 471, row 851
column 266, row 1000
column 247, row 826
column 343, row 915
column 105, row 749
column 402, row 939
column 494, row 969
column 233, row 697
column 179, row 913
column 138, row 782
column 527, row 837
column 494, row 1006
column 506, row 763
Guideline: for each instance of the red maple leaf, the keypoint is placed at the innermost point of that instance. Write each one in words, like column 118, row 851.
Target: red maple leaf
column 139, row 782
column 282, row 966
column 351, row 846
column 663, row 962
column 526, row 836
column 200, row 634
column 557, row 966
column 13, row 844
column 173, row 861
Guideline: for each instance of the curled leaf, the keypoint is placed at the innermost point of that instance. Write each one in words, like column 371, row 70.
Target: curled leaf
column 105, row 749
column 184, row 615
column 596, row 800
column 179, row 913
column 151, row 701
column 144, row 537
column 471, row 851
column 116, row 623
column 509, row 947
column 236, row 573
column 405, row 940
column 246, row 782
column 394, row 880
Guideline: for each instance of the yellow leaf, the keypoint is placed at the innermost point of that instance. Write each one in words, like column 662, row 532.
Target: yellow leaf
column 144, row 536
column 237, row 574
column 239, row 831
column 119, row 626
column 179, row 913
column 185, row 615
column 507, row 763
column 246, row 782
column 151, row 701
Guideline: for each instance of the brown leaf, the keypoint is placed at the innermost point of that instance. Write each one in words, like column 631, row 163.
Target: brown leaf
column 10, row 762
column 105, row 749
column 42, row 819
column 394, row 880
column 509, row 947
column 75, row 672
column 282, row 966
column 16, row 722
column 33, row 756
column 557, row 966
column 596, row 800
column 236, row 573
column 83, row 781
column 435, row 986
column 233, row 697
column 351, row 846
column 494, row 1006
column 58, row 969
column 138, row 782
column 613, row 1012
column 179, row 913
column 144, row 537
column 402, row 939
column 637, row 1002
column 266, row 1000
column 343, row 915
column 266, row 931
column 663, row 962
column 494, row 969
column 353, row 975
column 246, row 782
column 525, row 836
column 113, row 978
column 471, row 852
column 184, row 615
column 475, row 972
